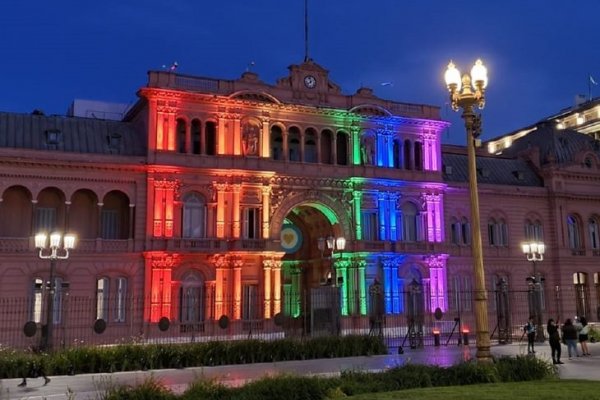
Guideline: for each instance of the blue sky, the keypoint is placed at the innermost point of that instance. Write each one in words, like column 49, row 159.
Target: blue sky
column 539, row 53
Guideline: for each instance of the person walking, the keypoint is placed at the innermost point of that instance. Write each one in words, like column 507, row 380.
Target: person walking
column 554, row 335
column 570, row 336
column 530, row 331
column 584, row 336
column 33, row 368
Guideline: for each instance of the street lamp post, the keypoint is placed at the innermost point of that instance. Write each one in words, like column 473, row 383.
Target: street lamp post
column 534, row 251
column 331, row 243
column 52, row 252
column 466, row 92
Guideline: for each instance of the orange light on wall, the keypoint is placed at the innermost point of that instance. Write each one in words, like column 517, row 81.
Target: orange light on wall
column 159, row 194
column 267, row 287
column 160, row 287
column 237, row 290
column 220, row 209
column 169, row 204
column 161, row 125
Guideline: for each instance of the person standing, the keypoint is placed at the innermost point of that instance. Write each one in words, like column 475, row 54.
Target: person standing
column 530, row 331
column 570, row 336
column 554, row 341
column 584, row 336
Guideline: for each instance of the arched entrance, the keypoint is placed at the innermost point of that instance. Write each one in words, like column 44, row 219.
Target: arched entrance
column 311, row 287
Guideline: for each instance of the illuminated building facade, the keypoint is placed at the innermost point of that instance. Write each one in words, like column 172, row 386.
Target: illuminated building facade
column 244, row 178
column 217, row 198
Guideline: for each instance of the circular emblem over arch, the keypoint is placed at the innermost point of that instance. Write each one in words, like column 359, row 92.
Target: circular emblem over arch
column 291, row 238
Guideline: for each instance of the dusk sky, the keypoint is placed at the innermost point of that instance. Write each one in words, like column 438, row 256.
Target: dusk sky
column 539, row 54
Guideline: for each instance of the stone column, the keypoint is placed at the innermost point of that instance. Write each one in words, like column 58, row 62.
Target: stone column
column 237, row 289
column 236, row 210
column 276, row 272
column 267, row 289
column 266, row 200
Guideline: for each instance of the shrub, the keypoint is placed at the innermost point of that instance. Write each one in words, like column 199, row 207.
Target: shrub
column 150, row 389
column 129, row 357
column 351, row 383
column 523, row 368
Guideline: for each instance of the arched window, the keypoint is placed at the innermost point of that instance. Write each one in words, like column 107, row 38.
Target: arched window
column 326, row 146
column 294, row 144
column 196, row 137
column 193, row 220
column 410, row 222
column 191, row 299
column 465, row 231
column 593, row 233
column 114, row 218
column 310, row 146
column 418, row 156
column 342, row 148
column 574, row 232
column 15, row 212
column 397, row 153
column 407, row 154
column 493, row 239
column 503, row 233
column 210, row 140
column 181, row 127
column 533, row 230
column 49, row 210
column 276, row 143
column 455, row 231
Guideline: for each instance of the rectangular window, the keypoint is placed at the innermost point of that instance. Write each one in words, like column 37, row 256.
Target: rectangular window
column 194, row 217
column 251, row 223
column 120, row 299
column 102, row 294
column 110, row 224
column 492, row 240
column 461, row 295
column 370, row 226
column 45, row 219
column 58, row 300
column 455, row 233
column 250, row 302
column 466, row 232
column 36, row 301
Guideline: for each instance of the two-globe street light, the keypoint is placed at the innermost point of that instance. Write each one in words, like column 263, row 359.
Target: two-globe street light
column 534, row 251
column 467, row 92
column 52, row 251
column 332, row 244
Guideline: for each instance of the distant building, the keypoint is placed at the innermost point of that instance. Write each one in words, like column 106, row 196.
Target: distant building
column 214, row 198
column 97, row 109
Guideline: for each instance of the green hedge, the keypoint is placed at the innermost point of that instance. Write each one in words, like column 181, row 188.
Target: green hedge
column 140, row 357
column 349, row 383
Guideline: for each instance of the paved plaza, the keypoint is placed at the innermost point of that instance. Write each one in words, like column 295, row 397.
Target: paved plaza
column 86, row 386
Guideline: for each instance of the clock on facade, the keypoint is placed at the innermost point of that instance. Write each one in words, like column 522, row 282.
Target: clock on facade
column 310, row 81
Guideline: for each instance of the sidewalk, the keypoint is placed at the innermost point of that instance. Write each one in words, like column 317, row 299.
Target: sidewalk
column 87, row 386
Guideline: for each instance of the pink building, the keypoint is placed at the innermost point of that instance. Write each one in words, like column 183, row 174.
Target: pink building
column 221, row 198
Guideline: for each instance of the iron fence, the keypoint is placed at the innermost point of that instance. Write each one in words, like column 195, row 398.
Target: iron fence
column 410, row 319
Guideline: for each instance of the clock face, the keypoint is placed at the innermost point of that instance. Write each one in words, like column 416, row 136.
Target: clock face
column 310, row 81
